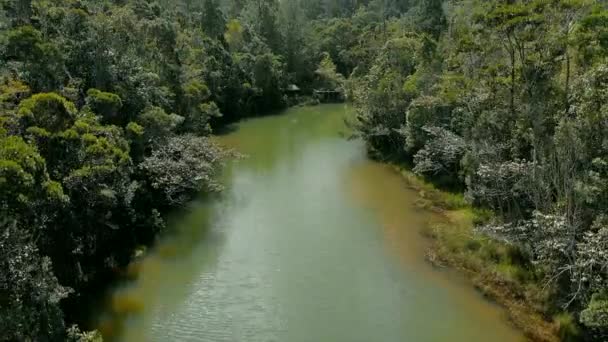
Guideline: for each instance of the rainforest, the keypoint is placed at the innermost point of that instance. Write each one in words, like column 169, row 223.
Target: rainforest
column 297, row 170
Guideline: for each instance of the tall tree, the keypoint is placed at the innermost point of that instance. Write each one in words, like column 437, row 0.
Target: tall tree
column 213, row 20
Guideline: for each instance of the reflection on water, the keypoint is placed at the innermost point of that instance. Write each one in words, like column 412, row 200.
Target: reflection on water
column 310, row 242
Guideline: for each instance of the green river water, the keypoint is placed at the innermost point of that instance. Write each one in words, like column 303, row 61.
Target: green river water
column 310, row 242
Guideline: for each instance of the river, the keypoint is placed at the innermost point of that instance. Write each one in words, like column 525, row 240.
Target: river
column 310, row 242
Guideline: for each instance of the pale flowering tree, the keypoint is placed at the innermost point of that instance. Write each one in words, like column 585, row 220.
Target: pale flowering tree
column 546, row 238
column 503, row 186
column 184, row 165
column 591, row 267
column 441, row 154
column 29, row 291
column 591, row 274
column 552, row 244
column 595, row 316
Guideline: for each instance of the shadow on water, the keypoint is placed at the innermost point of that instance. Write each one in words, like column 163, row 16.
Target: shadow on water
column 190, row 244
column 226, row 129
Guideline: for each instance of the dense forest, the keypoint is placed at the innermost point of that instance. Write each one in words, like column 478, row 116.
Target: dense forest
column 506, row 100
column 107, row 106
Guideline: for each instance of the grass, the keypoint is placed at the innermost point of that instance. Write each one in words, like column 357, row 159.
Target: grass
column 499, row 270
column 566, row 326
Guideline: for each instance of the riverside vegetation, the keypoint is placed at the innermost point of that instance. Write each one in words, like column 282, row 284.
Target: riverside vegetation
column 107, row 107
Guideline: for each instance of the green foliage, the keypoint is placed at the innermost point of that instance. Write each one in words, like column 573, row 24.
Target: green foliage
column 39, row 61
column 30, row 291
column 473, row 96
column 234, row 34
column 213, row 21
column 432, row 18
column 382, row 99
column 12, row 92
column 157, row 125
column 423, row 112
column 196, row 92
column 74, row 334
column 24, row 43
column 592, row 35
column 200, row 112
column 596, row 313
column 567, row 327
column 468, row 92
column 105, row 104
column 268, row 78
column 134, row 130
column 49, row 111
column 329, row 78
column 92, row 157
column 24, row 180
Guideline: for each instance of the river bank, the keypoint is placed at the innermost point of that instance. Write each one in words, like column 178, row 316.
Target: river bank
column 497, row 270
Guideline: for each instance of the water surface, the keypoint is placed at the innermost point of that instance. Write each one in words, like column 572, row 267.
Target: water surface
column 310, row 242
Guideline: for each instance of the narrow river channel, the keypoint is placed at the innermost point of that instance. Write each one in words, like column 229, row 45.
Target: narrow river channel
column 310, row 242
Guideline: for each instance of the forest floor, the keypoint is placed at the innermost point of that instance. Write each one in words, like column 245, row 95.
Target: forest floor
column 495, row 268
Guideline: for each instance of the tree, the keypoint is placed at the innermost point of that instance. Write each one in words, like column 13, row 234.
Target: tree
column 329, row 78
column 268, row 78
column 234, row 34
column 432, row 17
column 382, row 98
column 213, row 21
column 38, row 61
column 48, row 111
column 25, row 183
column 596, row 315
column 19, row 11
column 158, row 126
column 441, row 154
column 182, row 166
column 30, row 291
column 107, row 105
column 262, row 16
